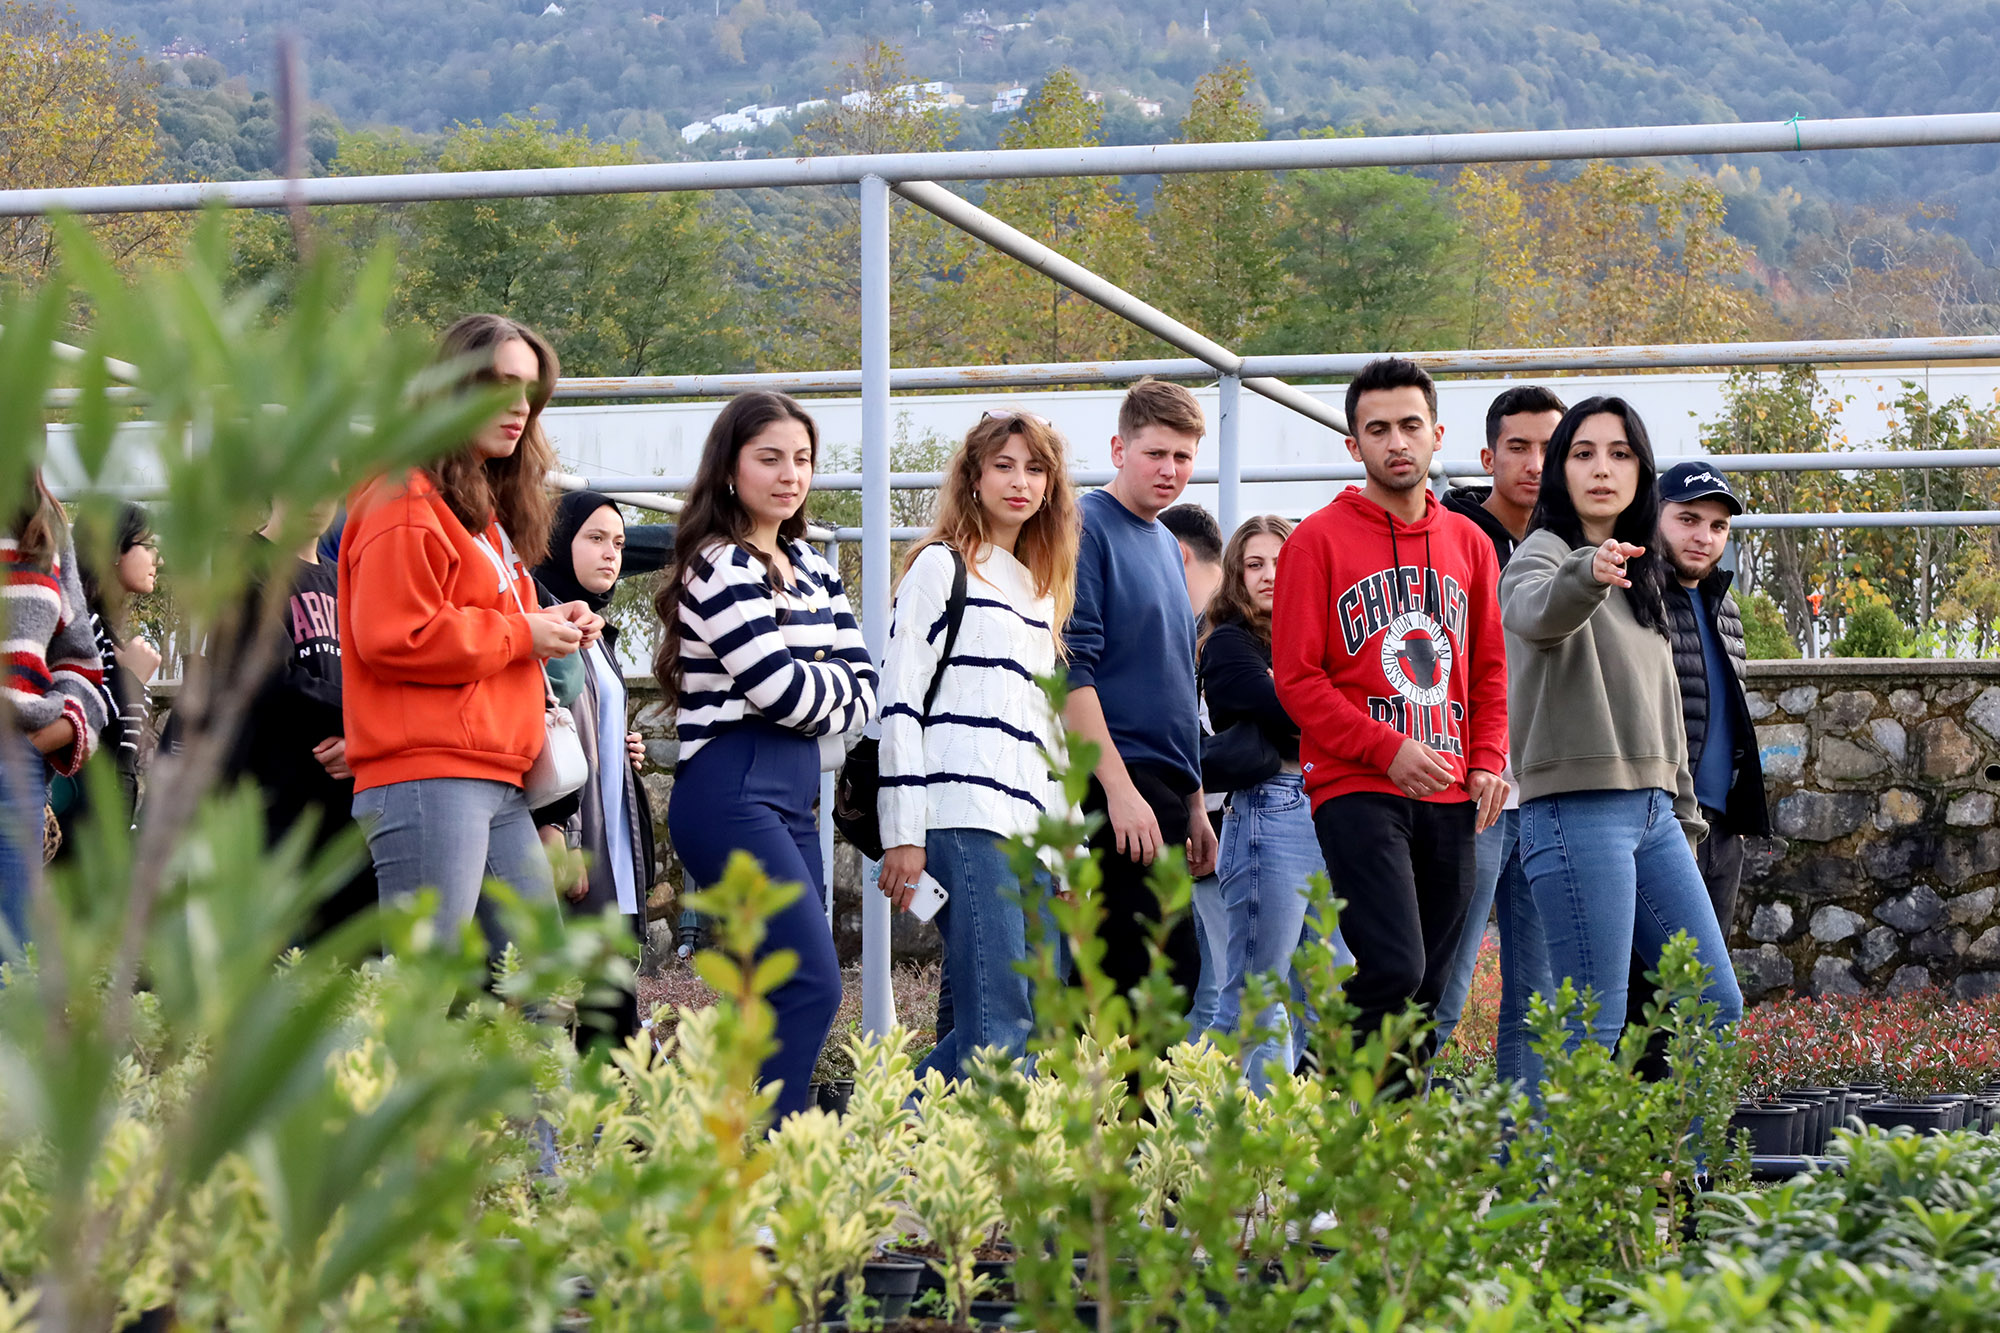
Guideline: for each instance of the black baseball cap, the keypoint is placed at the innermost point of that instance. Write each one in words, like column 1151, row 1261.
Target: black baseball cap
column 1686, row 482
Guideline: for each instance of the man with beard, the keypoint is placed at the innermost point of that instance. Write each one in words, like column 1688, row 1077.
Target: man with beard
column 1387, row 648
column 1696, row 506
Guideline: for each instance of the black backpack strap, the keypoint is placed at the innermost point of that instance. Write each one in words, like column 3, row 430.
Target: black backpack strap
column 954, row 615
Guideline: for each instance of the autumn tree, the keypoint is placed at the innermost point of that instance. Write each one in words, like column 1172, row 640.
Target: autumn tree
column 1215, row 258
column 1373, row 260
column 75, row 110
column 1786, row 411
column 1887, row 273
column 1014, row 314
column 1613, row 255
column 1917, row 569
column 805, row 246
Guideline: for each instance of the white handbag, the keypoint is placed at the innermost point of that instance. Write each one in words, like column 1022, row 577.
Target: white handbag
column 561, row 768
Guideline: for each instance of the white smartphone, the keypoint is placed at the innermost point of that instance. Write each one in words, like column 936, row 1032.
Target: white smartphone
column 930, row 896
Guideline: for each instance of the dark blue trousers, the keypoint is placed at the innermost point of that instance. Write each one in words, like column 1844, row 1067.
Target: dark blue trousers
column 752, row 789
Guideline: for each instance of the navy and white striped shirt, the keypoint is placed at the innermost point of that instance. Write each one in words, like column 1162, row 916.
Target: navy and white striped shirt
column 794, row 658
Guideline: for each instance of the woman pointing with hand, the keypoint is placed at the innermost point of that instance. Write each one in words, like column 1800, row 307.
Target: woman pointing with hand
column 1608, row 813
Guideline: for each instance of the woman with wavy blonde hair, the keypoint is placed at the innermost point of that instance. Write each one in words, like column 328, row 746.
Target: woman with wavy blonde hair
column 966, row 737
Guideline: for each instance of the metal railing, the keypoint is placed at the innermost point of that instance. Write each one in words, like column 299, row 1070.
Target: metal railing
column 914, row 175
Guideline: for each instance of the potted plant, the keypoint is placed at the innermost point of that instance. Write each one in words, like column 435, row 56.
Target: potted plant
column 951, row 1192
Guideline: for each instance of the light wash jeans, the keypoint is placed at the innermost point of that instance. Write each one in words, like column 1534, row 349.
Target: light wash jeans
column 1211, row 933
column 1612, row 874
column 452, row 834
column 1501, row 886
column 1269, row 852
column 985, row 935
column 23, row 794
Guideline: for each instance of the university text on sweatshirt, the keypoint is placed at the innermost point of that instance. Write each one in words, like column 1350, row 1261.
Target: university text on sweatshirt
column 1386, row 632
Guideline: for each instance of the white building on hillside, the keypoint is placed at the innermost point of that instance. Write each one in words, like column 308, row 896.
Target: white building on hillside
column 770, row 115
column 689, row 133
column 733, row 122
column 1010, row 99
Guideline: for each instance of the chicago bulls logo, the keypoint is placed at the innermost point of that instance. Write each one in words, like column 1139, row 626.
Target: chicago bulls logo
column 1416, row 659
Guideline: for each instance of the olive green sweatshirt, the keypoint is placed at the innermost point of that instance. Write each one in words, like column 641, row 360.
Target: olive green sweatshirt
column 1593, row 703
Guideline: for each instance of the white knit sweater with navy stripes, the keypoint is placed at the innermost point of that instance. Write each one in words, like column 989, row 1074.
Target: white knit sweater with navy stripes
column 794, row 657
column 981, row 763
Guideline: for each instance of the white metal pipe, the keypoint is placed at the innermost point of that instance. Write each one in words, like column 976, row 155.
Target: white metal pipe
column 832, row 552
column 1496, row 361
column 1913, row 518
column 1463, row 469
column 1512, row 360
column 878, row 1002
column 902, row 379
column 1229, row 454
column 1769, row 136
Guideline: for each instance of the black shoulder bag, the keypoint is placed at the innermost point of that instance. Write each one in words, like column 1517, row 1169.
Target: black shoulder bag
column 856, row 790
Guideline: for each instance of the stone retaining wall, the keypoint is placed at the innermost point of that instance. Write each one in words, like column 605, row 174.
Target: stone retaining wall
column 1884, row 866
column 1883, row 873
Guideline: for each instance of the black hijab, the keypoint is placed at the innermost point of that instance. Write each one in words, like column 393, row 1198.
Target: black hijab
column 557, row 573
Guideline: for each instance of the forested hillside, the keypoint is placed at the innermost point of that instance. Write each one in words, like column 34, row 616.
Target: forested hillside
column 639, row 69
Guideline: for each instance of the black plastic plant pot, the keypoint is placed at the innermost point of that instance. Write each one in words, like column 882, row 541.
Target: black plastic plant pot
column 1813, row 1112
column 1959, row 1102
column 1769, row 1128
column 833, row 1097
column 998, row 1270
column 1922, row 1117
column 1795, row 1134
column 892, row 1285
column 1876, row 1091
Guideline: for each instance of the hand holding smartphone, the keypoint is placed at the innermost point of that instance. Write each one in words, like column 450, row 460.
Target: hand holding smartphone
column 930, row 896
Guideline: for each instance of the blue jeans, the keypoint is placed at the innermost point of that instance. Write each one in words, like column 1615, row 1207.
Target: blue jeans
column 1524, row 964
column 1612, row 874
column 1269, row 852
column 752, row 788
column 985, row 935
column 1211, row 933
column 452, row 835
column 23, row 791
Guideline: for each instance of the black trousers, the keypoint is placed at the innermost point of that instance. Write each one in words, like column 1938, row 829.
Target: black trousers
column 1720, row 859
column 1405, row 869
column 1130, row 908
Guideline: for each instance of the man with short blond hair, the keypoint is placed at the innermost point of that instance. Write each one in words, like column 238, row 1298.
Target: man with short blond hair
column 1131, row 642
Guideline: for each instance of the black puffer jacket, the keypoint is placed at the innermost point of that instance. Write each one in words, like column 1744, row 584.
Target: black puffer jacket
column 1748, row 811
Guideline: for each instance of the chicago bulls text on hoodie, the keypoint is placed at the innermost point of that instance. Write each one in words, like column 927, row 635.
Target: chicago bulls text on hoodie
column 1385, row 631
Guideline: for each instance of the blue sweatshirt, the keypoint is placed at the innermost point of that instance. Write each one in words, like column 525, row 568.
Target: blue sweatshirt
column 1131, row 637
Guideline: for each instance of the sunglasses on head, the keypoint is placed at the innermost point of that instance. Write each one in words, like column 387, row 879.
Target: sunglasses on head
column 996, row 414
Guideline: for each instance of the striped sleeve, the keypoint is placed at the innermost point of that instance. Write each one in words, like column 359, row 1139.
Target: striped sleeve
column 849, row 647
column 76, row 671
column 729, row 608
column 916, row 640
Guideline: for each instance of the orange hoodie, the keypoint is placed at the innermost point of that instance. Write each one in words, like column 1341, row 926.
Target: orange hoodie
column 438, row 672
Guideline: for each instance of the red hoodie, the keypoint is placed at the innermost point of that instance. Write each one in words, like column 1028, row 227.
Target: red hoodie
column 1385, row 631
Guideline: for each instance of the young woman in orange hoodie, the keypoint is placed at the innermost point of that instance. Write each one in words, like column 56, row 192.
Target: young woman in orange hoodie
column 442, row 643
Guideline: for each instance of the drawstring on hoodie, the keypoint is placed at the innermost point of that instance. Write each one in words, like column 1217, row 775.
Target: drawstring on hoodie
column 1396, row 558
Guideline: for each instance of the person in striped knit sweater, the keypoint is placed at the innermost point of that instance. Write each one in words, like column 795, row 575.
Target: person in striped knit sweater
column 55, row 680
column 958, row 782
column 764, row 661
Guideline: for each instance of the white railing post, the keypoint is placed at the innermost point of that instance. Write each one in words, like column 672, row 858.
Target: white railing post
column 878, row 1004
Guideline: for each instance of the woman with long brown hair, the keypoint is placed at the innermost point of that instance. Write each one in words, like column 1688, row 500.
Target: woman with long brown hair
column 1269, row 848
column 764, row 661
column 442, row 641
column 966, row 738
column 55, row 681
